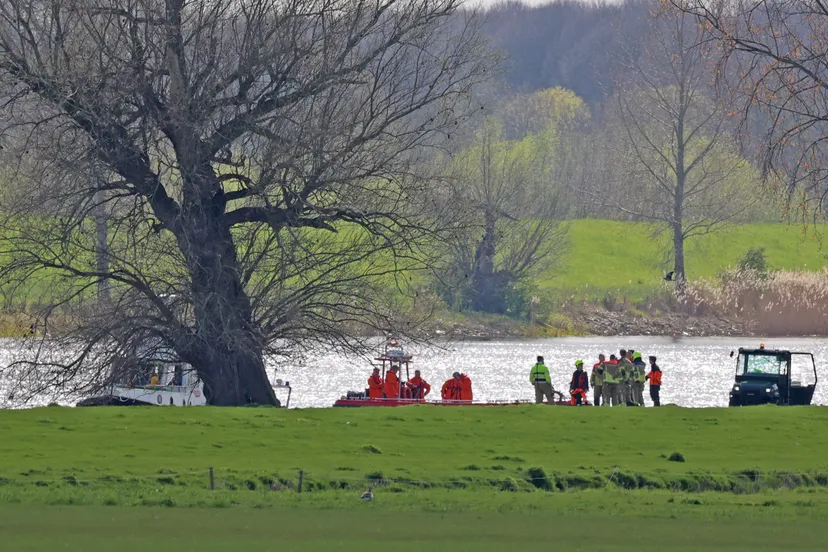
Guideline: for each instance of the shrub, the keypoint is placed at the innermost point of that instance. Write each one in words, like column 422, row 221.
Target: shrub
column 754, row 259
column 676, row 457
column 537, row 476
column 509, row 485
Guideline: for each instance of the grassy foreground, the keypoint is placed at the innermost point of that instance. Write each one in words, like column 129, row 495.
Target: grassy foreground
column 456, row 478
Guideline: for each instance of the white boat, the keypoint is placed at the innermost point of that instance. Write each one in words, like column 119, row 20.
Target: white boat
column 176, row 385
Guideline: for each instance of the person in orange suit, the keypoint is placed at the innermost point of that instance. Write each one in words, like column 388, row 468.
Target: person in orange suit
column 375, row 385
column 418, row 387
column 451, row 388
column 465, row 388
column 392, row 383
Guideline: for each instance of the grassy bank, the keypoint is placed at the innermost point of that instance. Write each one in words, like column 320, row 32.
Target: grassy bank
column 522, row 448
column 457, row 478
column 627, row 260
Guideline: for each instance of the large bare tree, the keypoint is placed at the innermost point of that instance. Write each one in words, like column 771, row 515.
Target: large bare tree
column 774, row 65
column 259, row 164
column 676, row 133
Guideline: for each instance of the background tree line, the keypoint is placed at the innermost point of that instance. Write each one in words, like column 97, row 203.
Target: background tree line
column 238, row 180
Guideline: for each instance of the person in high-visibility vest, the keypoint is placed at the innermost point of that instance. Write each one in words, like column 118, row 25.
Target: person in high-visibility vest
column 655, row 382
column 611, row 380
column 639, row 369
column 625, row 368
column 539, row 378
column 596, row 379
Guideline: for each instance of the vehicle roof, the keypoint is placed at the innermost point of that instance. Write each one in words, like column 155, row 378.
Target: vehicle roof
column 764, row 351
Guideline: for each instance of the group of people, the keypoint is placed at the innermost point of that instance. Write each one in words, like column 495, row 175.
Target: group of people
column 457, row 388
column 616, row 381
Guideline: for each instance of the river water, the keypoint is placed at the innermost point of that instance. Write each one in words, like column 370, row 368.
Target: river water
column 698, row 372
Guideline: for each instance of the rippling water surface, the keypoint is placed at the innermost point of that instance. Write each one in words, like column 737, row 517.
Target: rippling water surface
column 698, row 372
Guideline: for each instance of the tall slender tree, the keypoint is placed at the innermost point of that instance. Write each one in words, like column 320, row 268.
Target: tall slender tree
column 677, row 133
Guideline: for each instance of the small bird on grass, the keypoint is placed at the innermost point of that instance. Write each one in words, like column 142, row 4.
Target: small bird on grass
column 367, row 495
column 668, row 277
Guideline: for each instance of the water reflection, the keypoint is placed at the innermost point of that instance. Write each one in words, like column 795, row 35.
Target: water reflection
column 698, row 372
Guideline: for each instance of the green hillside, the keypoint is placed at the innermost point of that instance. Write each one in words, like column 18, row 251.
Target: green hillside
column 627, row 259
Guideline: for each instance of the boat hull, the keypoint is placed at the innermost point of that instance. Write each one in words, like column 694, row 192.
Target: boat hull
column 358, row 403
column 159, row 395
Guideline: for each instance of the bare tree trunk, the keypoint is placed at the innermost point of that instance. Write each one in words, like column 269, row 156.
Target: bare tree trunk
column 102, row 252
column 228, row 349
column 678, row 255
column 485, row 292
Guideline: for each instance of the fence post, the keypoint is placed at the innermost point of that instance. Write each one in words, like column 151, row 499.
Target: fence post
column 212, row 480
column 301, row 479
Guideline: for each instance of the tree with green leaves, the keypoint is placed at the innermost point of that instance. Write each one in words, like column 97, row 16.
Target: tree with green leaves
column 514, row 200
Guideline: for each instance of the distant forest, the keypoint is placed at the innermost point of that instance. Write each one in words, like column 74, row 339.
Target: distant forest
column 568, row 43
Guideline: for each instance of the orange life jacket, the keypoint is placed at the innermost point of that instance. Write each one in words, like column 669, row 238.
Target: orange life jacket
column 654, row 377
column 392, row 385
column 419, row 387
column 450, row 390
column 465, row 388
column 375, row 387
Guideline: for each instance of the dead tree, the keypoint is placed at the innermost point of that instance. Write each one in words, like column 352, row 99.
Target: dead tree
column 259, row 162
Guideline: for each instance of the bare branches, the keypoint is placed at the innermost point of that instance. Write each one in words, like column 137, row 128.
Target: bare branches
column 261, row 162
column 677, row 132
column 772, row 63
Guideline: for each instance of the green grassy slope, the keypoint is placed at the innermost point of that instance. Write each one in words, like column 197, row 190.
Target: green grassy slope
column 428, row 443
column 627, row 259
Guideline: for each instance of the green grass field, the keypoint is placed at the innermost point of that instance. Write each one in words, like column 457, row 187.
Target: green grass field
column 372, row 529
column 456, row 478
column 625, row 259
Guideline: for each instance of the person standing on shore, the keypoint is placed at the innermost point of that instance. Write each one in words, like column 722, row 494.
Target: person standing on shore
column 655, row 382
column 610, row 382
column 579, row 385
column 625, row 369
column 596, row 379
column 638, row 379
column 539, row 377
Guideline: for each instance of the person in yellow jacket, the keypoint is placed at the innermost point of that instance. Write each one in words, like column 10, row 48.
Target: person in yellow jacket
column 539, row 377
column 625, row 368
column 611, row 378
column 639, row 377
column 596, row 380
